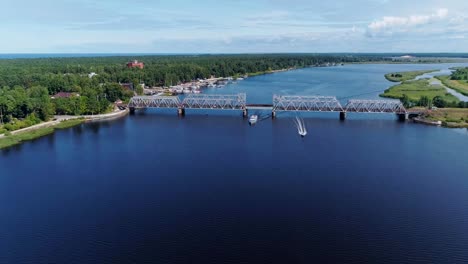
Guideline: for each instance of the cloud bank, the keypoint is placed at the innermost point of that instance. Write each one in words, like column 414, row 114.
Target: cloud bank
column 391, row 24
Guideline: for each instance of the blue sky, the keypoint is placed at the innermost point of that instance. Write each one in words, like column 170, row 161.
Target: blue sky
column 233, row 26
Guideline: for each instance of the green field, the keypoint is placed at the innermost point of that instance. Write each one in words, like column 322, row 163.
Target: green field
column 16, row 139
column 405, row 76
column 416, row 89
column 460, row 86
column 450, row 117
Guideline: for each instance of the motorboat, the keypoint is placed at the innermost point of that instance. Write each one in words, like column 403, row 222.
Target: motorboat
column 301, row 128
column 253, row 119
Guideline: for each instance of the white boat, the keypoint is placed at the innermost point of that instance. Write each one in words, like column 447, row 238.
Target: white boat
column 301, row 128
column 253, row 119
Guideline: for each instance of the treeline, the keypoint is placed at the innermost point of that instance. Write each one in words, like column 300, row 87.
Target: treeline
column 20, row 107
column 460, row 74
column 71, row 74
column 427, row 102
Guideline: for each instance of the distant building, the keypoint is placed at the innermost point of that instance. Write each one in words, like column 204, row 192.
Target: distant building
column 91, row 75
column 64, row 95
column 135, row 64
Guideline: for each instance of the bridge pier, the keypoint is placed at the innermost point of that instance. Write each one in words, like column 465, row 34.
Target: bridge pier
column 245, row 112
column 402, row 117
column 132, row 110
column 181, row 111
column 273, row 115
column 342, row 116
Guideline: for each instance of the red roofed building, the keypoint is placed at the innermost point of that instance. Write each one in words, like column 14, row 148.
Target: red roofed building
column 135, row 64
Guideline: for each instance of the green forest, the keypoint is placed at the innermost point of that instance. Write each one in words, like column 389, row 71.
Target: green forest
column 26, row 85
column 460, row 74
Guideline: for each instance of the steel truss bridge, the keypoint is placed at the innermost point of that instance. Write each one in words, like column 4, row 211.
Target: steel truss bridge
column 215, row 101
column 306, row 103
column 280, row 103
column 375, row 106
column 331, row 104
column 154, row 102
column 192, row 101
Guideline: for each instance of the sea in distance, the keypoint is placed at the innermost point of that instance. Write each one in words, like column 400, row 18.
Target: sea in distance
column 208, row 188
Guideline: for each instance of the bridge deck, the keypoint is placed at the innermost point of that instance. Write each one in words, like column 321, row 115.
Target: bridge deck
column 259, row 107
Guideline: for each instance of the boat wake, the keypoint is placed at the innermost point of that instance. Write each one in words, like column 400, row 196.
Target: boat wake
column 300, row 125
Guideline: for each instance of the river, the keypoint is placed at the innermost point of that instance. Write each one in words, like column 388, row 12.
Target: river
column 209, row 188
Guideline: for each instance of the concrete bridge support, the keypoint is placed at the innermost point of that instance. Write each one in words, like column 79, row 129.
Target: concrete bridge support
column 342, row 116
column 181, row 111
column 402, row 117
column 245, row 112
column 132, row 110
column 273, row 115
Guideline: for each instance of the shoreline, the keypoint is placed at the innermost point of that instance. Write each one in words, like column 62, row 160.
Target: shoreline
column 62, row 122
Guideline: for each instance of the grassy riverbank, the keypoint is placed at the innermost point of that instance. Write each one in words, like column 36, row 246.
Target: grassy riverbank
column 405, row 76
column 416, row 89
column 450, row 117
column 460, row 86
column 11, row 140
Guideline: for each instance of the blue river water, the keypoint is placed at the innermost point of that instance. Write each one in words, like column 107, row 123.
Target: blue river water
column 208, row 188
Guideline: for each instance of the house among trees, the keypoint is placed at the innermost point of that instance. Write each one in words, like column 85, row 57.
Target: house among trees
column 64, row 95
column 127, row 86
column 135, row 64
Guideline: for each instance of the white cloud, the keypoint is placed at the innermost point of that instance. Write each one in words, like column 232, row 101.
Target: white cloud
column 389, row 24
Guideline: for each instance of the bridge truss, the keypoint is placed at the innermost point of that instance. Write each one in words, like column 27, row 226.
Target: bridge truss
column 280, row 103
column 154, row 102
column 306, row 103
column 375, row 106
column 215, row 101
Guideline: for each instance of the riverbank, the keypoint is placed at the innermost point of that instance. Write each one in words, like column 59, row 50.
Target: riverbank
column 447, row 117
column 18, row 138
column 60, row 122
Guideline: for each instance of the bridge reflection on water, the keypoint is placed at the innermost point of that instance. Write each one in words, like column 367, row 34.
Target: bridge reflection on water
column 281, row 103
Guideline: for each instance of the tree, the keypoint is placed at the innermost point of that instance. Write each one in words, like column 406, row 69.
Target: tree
column 92, row 104
column 425, row 101
column 438, row 101
column 62, row 106
column 139, row 89
column 113, row 91
column 7, row 104
column 40, row 102
column 405, row 101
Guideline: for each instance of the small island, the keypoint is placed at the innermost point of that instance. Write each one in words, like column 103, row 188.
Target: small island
column 405, row 76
